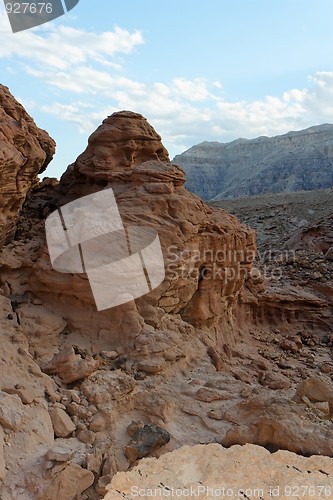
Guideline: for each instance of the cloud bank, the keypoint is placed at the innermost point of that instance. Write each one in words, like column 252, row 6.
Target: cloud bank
column 85, row 73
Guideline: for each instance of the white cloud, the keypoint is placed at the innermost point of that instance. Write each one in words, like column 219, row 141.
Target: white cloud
column 82, row 68
column 195, row 90
column 183, row 121
column 62, row 47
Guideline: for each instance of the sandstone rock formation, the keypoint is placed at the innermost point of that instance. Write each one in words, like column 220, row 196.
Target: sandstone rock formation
column 195, row 239
column 211, row 471
column 25, row 151
column 285, row 163
column 194, row 361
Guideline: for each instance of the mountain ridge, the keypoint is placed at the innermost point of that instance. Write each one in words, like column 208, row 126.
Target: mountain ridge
column 297, row 160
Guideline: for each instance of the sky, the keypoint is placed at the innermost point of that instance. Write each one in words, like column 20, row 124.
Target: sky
column 198, row 70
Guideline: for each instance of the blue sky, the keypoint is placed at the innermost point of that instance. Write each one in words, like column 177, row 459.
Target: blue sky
column 197, row 70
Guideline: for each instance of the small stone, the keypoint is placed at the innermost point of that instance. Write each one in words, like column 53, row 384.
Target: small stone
column 75, row 397
column 289, row 345
column 58, row 454
column 94, row 461
column 78, row 410
column 246, row 392
column 86, row 436
column 285, row 365
column 99, row 423
column 323, row 407
column 215, row 414
column 152, row 366
column 317, row 389
column 306, row 400
column 208, row 395
column 261, row 364
column 63, row 426
column 70, row 366
column 133, row 427
column 92, row 409
column 65, row 401
column 59, row 405
column 325, row 368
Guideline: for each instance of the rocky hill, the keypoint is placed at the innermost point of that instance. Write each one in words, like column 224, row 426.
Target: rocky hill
column 231, row 348
column 291, row 162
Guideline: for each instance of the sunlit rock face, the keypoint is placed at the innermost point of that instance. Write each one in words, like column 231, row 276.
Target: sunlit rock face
column 207, row 253
column 25, row 151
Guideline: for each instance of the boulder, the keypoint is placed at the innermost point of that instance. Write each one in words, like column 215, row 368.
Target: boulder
column 11, row 411
column 316, row 389
column 68, row 483
column 146, row 440
column 62, row 423
column 71, row 366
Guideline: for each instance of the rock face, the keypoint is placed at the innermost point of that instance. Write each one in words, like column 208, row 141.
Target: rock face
column 294, row 241
column 25, row 151
column 291, row 162
column 216, row 353
column 212, row 471
column 123, row 141
column 125, row 153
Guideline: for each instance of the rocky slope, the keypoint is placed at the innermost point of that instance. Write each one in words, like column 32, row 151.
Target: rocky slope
column 291, row 162
column 216, row 353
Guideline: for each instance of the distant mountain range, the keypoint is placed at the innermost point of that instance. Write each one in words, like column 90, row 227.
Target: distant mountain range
column 291, row 162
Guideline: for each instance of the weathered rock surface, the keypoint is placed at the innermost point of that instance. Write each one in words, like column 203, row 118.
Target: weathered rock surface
column 199, row 358
column 68, row 482
column 278, row 423
column 25, row 151
column 125, row 153
column 211, row 471
column 285, row 163
column 71, row 366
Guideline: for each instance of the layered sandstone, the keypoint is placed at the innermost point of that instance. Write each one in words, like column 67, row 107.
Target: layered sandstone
column 25, row 151
column 125, row 153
